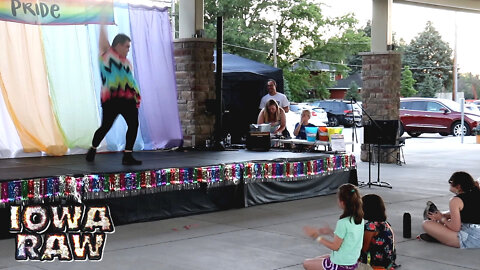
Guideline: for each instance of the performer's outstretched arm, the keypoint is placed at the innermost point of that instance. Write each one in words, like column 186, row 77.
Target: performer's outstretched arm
column 103, row 43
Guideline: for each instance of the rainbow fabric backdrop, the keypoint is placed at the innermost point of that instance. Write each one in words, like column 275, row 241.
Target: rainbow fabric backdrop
column 61, row 12
column 50, row 85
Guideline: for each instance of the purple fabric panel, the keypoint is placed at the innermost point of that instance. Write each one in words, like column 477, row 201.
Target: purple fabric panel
column 154, row 66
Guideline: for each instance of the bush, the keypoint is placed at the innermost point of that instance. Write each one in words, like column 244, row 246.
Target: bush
column 476, row 130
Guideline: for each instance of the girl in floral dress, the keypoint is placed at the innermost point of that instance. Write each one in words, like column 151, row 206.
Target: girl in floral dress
column 378, row 249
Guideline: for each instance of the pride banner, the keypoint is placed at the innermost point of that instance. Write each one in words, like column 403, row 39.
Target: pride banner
column 59, row 12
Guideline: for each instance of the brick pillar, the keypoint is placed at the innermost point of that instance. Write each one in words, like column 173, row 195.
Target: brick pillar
column 381, row 74
column 195, row 85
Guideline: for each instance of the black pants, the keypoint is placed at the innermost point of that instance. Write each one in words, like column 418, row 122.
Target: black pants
column 111, row 109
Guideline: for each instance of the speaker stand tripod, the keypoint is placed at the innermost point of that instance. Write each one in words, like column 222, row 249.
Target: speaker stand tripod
column 378, row 138
column 378, row 183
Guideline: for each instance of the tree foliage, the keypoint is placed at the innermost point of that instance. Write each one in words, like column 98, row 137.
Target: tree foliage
column 468, row 84
column 352, row 92
column 355, row 61
column 429, row 57
column 429, row 86
column 320, row 83
column 302, row 32
column 407, row 83
column 297, row 81
column 243, row 26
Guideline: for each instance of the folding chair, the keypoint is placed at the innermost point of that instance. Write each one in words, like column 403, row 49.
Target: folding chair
column 390, row 150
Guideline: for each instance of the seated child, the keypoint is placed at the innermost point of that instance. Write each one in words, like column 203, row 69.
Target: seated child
column 299, row 130
column 347, row 236
column 378, row 249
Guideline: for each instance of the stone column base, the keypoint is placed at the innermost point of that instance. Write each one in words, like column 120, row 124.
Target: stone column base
column 381, row 74
column 387, row 155
column 195, row 87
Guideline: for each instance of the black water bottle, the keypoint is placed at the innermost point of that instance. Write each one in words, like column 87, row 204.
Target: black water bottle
column 407, row 225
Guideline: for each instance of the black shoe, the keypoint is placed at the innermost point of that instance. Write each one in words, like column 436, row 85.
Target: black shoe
column 128, row 159
column 427, row 238
column 91, row 154
column 431, row 208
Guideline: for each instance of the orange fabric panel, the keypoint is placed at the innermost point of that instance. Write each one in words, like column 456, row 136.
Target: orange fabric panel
column 25, row 88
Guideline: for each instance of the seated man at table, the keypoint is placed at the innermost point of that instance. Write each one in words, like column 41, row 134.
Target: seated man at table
column 299, row 130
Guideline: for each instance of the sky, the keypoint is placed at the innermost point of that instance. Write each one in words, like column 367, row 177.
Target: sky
column 408, row 21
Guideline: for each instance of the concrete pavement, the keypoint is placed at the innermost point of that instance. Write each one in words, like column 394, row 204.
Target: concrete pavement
column 270, row 236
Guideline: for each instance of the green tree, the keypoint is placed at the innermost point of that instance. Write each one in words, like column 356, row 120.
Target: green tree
column 320, row 83
column 355, row 61
column 401, row 46
column 243, row 26
column 468, row 84
column 429, row 86
column 407, row 83
column 297, row 82
column 429, row 56
column 352, row 92
column 302, row 32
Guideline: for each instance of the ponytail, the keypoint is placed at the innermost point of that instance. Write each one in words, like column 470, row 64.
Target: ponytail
column 464, row 179
column 350, row 196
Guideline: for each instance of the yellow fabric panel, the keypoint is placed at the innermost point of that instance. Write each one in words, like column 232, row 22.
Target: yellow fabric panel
column 25, row 88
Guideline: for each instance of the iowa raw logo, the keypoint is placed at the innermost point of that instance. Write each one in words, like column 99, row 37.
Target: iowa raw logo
column 75, row 232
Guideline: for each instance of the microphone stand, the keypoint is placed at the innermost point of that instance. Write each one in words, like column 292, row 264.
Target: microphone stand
column 354, row 126
column 378, row 183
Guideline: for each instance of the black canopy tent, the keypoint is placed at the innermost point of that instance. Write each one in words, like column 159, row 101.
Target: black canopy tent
column 244, row 84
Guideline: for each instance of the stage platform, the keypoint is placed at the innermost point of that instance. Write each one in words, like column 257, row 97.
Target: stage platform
column 172, row 183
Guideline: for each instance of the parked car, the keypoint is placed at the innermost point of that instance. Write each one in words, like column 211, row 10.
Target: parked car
column 298, row 107
column 434, row 115
column 472, row 107
column 318, row 116
column 321, row 116
column 339, row 112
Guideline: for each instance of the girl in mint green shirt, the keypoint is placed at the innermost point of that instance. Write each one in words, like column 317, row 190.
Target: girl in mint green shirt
column 347, row 236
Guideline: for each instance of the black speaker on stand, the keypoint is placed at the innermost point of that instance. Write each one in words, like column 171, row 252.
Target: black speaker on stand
column 379, row 132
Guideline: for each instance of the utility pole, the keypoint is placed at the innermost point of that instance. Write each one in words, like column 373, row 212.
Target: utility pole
column 275, row 44
column 455, row 78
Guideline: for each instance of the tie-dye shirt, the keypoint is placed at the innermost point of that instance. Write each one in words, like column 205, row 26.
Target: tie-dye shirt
column 117, row 78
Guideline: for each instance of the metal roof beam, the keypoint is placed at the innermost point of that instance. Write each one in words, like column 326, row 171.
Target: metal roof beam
column 471, row 6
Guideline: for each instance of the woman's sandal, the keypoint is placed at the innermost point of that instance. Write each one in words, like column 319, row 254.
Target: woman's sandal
column 427, row 238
